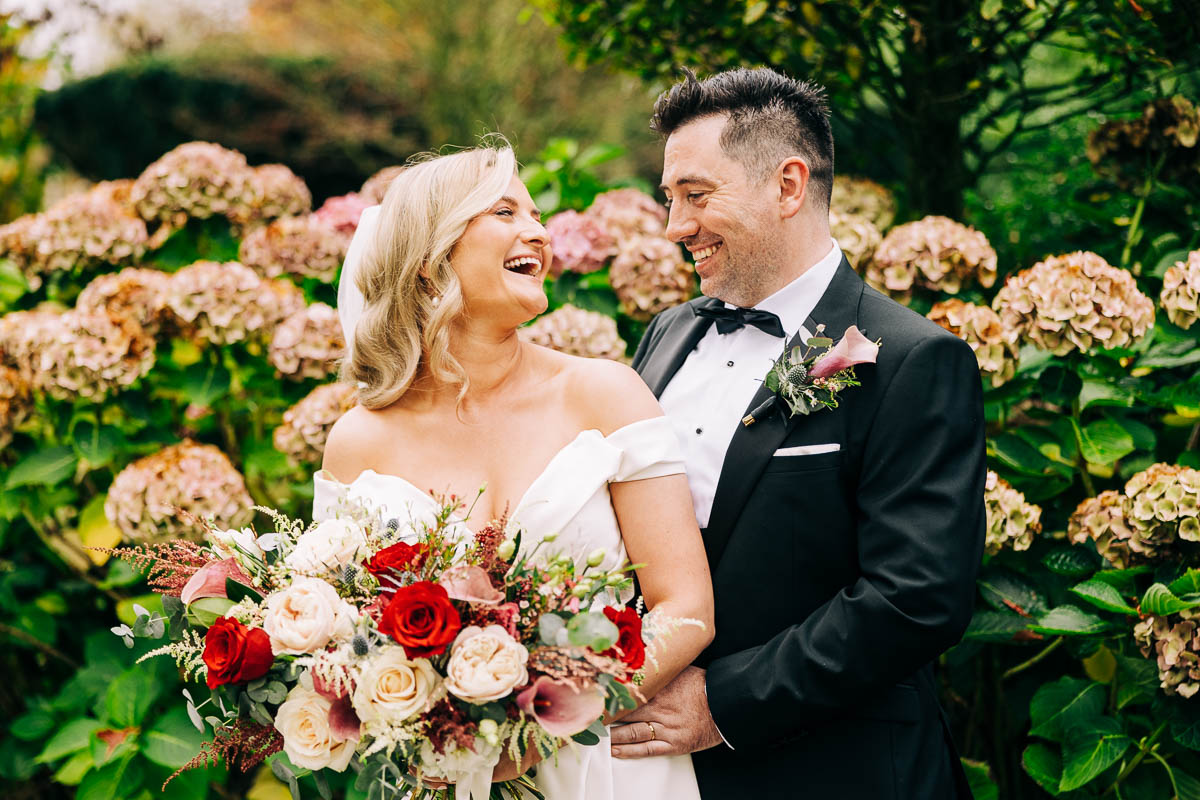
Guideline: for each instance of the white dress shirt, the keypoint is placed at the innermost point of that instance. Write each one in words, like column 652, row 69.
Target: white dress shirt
column 707, row 398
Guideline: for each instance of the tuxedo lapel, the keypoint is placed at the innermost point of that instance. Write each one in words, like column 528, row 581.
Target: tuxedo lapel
column 752, row 446
column 677, row 343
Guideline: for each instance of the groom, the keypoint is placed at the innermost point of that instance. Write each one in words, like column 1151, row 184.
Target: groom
column 843, row 544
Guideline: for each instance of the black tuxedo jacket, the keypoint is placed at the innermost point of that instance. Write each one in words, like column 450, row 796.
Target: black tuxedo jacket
column 840, row 576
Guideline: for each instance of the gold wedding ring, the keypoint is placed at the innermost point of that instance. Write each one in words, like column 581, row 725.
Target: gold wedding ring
column 653, row 735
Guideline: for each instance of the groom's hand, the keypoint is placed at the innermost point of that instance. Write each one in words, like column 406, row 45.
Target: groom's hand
column 676, row 721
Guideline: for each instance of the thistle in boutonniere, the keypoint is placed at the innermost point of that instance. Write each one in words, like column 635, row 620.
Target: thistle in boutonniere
column 809, row 377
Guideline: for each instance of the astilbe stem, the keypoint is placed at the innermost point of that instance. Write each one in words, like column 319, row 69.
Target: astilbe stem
column 244, row 744
column 170, row 564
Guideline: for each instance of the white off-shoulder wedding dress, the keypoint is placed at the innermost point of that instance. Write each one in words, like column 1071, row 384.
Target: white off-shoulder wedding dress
column 570, row 497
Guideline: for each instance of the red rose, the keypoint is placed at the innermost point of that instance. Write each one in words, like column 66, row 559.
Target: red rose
column 629, row 647
column 235, row 653
column 422, row 618
column 400, row 557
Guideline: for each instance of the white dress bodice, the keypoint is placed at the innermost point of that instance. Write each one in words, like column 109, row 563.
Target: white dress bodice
column 569, row 498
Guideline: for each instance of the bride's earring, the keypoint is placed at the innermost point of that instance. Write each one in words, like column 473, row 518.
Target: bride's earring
column 435, row 300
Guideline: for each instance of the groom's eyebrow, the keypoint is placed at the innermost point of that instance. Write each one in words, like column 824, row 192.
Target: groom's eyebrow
column 688, row 180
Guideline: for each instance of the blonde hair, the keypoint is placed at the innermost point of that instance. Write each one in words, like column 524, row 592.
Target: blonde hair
column 411, row 294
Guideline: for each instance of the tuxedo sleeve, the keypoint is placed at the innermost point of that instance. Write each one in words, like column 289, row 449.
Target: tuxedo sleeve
column 919, row 532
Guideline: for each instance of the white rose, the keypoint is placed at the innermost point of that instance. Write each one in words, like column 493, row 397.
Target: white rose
column 329, row 546
column 391, row 687
column 308, row 738
column 485, row 664
column 306, row 616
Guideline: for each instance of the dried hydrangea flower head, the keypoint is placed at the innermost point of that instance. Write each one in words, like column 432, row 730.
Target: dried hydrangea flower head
column 308, row 344
column 133, row 292
column 82, row 231
column 934, row 253
column 88, row 354
column 198, row 180
column 343, row 212
column 306, row 425
column 16, row 403
column 217, row 302
column 1074, row 302
column 628, row 213
column 1180, row 296
column 1166, row 131
column 856, row 235
column 278, row 299
column 1102, row 520
column 994, row 346
column 863, row 197
column 23, row 335
column 580, row 243
column 303, row 246
column 649, row 275
column 375, row 187
column 577, row 331
column 145, row 497
column 1011, row 522
column 1174, row 644
column 1162, row 505
column 279, row 192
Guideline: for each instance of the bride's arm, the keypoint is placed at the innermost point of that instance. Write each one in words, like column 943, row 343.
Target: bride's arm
column 658, row 526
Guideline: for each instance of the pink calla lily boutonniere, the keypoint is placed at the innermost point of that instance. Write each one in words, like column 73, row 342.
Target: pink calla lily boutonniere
column 809, row 377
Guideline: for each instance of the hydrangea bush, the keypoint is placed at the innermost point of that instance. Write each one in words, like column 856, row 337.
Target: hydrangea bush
column 172, row 356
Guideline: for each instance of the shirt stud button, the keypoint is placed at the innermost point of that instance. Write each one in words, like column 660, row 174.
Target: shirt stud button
column 699, row 431
column 729, row 363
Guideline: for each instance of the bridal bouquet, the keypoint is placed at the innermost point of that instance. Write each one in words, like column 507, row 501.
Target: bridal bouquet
column 392, row 647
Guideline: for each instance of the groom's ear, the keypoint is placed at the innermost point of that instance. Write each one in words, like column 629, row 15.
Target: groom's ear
column 792, row 177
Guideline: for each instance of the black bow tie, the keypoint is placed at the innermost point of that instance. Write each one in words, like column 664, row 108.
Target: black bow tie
column 733, row 319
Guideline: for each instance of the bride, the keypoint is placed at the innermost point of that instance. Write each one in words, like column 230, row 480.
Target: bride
column 437, row 281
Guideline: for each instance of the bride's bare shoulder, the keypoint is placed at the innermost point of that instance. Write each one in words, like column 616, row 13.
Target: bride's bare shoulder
column 610, row 393
column 354, row 440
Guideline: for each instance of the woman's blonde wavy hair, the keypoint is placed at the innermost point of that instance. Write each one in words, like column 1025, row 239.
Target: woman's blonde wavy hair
column 424, row 213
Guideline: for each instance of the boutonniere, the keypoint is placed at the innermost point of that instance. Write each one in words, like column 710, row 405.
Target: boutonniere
column 809, row 377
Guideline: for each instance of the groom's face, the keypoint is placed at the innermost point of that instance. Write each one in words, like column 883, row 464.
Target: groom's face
column 728, row 220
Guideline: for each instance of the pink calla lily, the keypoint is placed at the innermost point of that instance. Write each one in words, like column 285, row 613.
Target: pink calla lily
column 209, row 580
column 854, row 348
column 471, row 585
column 562, row 707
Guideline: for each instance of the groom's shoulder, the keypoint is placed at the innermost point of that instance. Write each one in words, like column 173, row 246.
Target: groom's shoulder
column 901, row 328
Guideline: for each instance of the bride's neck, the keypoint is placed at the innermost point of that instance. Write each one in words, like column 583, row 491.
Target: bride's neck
column 489, row 357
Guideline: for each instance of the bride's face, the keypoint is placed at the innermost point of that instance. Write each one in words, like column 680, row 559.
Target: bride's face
column 502, row 259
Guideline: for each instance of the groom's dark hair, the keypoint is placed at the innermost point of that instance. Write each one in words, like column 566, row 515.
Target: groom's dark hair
column 771, row 117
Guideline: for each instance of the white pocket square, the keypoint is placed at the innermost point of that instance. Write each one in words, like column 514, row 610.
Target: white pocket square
column 808, row 449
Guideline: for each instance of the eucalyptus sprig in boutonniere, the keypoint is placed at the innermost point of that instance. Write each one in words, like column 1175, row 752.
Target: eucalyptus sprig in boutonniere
column 809, row 377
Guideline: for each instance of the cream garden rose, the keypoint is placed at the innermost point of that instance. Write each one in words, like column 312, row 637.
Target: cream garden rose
column 327, row 547
column 392, row 688
column 308, row 738
column 306, row 616
column 485, row 664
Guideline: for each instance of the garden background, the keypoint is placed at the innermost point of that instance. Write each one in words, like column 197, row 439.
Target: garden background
column 179, row 182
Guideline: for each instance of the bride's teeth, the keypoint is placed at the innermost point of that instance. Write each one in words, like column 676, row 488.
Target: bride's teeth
column 519, row 264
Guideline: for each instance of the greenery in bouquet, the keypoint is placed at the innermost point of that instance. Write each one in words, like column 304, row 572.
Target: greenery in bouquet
column 394, row 647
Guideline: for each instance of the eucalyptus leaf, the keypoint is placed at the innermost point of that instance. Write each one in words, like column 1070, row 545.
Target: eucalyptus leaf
column 592, row 630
